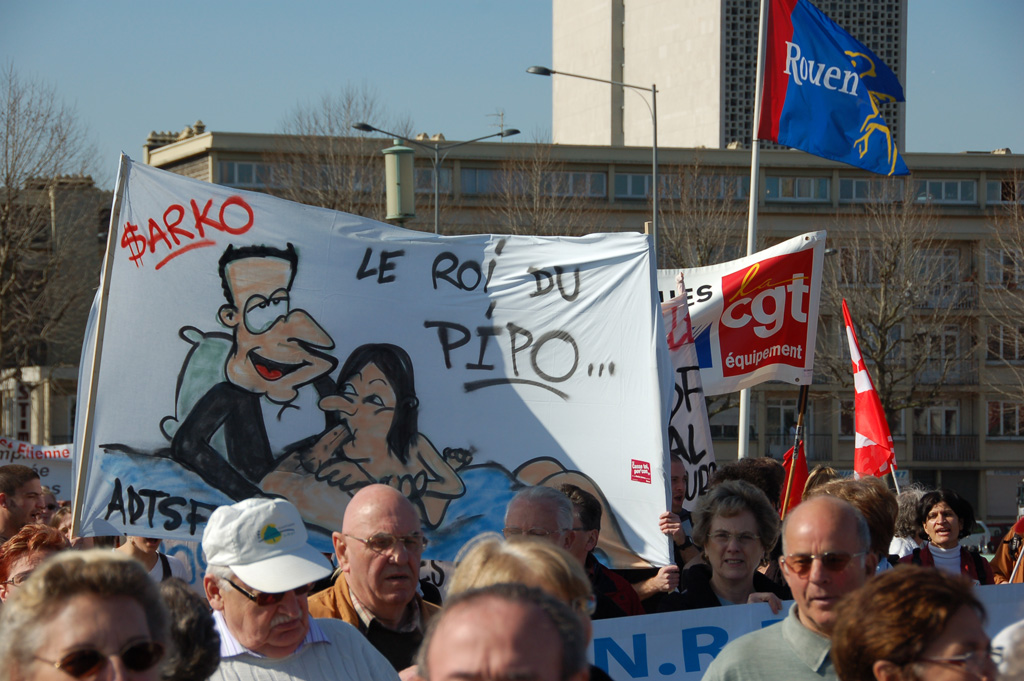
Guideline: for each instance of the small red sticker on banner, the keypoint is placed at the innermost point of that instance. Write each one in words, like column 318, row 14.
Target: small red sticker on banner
column 640, row 471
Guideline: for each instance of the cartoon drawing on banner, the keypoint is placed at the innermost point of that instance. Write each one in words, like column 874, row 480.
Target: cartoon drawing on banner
column 274, row 352
column 375, row 440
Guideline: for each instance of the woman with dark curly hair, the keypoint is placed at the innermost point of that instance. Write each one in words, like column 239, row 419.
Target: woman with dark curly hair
column 946, row 518
column 910, row 624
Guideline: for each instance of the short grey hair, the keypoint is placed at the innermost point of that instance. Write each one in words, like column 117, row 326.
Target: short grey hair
column 729, row 499
column 545, row 495
column 222, row 573
column 565, row 621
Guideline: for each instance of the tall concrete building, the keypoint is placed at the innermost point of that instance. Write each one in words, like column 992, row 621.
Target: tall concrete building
column 701, row 54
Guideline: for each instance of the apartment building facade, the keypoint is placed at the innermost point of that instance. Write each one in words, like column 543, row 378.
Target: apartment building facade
column 969, row 437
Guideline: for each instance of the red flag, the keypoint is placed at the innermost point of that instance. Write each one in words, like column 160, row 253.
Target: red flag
column 799, row 479
column 872, row 450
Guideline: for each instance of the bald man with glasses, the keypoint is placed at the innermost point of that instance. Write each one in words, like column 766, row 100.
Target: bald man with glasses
column 378, row 552
column 826, row 555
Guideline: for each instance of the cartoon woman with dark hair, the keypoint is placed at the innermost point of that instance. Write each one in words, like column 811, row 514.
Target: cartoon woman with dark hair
column 372, row 436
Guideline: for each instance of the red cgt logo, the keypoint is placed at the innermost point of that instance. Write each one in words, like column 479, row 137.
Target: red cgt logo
column 640, row 471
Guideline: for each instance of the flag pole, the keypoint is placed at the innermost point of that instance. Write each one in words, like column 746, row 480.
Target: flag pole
column 896, row 483
column 797, row 440
column 743, row 445
column 83, row 448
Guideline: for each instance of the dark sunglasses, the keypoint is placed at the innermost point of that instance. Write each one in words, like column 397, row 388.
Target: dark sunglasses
column 82, row 663
column 261, row 599
column 801, row 563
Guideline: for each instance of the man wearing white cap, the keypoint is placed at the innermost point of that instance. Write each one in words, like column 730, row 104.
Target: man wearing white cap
column 259, row 570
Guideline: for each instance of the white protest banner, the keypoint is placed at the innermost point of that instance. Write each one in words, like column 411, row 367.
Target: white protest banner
column 679, row 646
column 689, row 434
column 755, row 319
column 51, row 462
column 249, row 345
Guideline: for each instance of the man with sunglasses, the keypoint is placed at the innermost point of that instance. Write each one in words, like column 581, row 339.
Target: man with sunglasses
column 378, row 551
column 258, row 575
column 826, row 555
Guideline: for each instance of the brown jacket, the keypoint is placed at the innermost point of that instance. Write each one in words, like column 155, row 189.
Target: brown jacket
column 1006, row 555
column 336, row 602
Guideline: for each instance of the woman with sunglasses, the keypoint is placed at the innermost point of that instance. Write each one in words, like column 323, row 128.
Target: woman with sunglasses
column 946, row 518
column 737, row 527
column 911, row 624
column 80, row 614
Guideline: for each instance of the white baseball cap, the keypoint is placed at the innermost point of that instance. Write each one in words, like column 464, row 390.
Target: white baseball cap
column 264, row 542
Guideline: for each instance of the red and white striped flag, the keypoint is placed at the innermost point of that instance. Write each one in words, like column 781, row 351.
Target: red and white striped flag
column 873, row 451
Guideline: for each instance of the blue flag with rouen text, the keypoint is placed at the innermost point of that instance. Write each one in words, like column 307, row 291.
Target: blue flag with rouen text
column 823, row 89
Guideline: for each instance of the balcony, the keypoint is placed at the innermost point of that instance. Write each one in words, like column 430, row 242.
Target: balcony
column 960, row 296
column 958, row 372
column 946, row 448
column 818, row 447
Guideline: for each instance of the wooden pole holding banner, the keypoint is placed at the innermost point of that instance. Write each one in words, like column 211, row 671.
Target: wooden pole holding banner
column 1016, row 566
column 755, row 162
column 101, row 315
column 797, row 439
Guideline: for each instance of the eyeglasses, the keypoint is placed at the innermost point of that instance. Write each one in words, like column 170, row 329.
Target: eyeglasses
column 137, row 656
column 532, row 532
column 724, row 538
column 19, row 579
column 51, row 507
column 385, row 543
column 263, row 598
column 974, row 662
column 800, row 563
column 585, row 605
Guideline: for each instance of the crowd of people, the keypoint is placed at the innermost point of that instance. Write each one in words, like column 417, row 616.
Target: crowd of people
column 882, row 588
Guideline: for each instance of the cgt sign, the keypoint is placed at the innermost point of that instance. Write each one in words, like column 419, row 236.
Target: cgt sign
column 757, row 317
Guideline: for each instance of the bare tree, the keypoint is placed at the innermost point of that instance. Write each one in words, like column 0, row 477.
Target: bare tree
column 1002, row 282
column 536, row 194
column 322, row 161
column 703, row 217
column 703, row 222
column 50, row 215
column 907, row 290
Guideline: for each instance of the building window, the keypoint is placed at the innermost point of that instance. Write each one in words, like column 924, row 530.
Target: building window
column 946, row 191
column 797, row 189
column 1004, row 191
column 1005, row 343
column 246, row 175
column 1005, row 419
column 565, row 183
column 480, row 181
column 858, row 266
column 424, row 180
column 1004, row 267
column 942, row 419
column 861, row 190
column 632, row 185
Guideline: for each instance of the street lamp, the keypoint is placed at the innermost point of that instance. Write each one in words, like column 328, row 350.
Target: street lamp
column 436, row 148
column 653, row 108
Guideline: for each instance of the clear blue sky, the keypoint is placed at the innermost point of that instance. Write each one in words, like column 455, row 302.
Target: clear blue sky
column 132, row 67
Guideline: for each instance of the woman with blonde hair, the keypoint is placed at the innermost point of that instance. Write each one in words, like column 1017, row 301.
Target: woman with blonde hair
column 488, row 559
